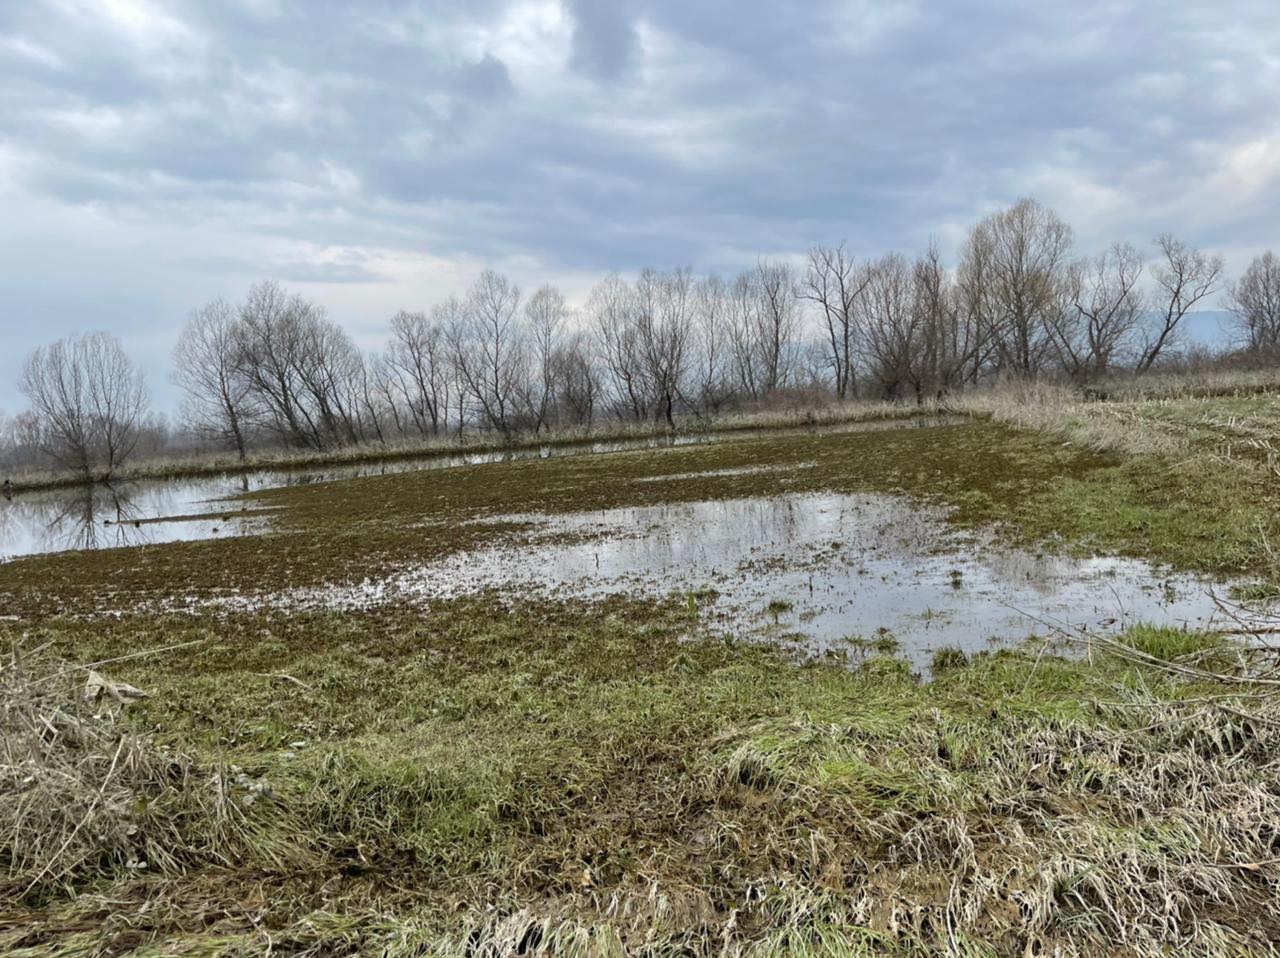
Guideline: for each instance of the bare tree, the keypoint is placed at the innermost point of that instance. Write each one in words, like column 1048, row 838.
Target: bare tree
column 835, row 282
column 490, row 352
column 384, row 389
column 779, row 319
column 546, row 315
column 743, row 304
column 613, row 311
column 764, row 325
column 1184, row 277
column 577, row 378
column 891, row 325
column 90, row 400
column 303, row 371
column 663, row 323
column 1014, row 273
column 417, row 366
column 974, row 295
column 21, row 439
column 712, row 349
column 269, row 339
column 451, row 318
column 207, row 367
column 1106, row 310
column 1254, row 301
column 370, row 397
column 947, row 338
column 331, row 372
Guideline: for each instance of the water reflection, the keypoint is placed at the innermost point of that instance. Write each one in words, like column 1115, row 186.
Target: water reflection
column 94, row 518
column 109, row 516
column 828, row 573
column 183, row 509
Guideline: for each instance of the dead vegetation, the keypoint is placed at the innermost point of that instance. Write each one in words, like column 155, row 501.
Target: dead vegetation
column 1224, row 418
column 82, row 795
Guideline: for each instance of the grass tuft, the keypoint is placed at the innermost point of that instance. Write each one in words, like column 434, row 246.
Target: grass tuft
column 81, row 795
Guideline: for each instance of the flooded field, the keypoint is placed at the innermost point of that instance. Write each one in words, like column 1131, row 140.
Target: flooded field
column 825, row 574
column 676, row 679
column 146, row 512
column 820, row 572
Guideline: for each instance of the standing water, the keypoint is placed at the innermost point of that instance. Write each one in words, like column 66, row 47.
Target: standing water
column 172, row 510
column 830, row 574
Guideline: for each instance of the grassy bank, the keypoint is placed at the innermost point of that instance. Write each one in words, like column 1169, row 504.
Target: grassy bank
column 214, row 463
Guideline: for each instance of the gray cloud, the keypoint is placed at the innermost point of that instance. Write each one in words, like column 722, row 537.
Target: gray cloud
column 605, row 44
column 154, row 154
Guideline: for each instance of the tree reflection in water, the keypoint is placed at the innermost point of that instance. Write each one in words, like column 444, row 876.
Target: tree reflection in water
column 109, row 516
column 83, row 517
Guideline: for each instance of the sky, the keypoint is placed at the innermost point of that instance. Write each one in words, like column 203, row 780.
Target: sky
column 376, row 156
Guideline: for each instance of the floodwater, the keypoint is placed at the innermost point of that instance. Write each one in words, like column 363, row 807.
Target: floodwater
column 171, row 510
column 827, row 574
column 104, row 516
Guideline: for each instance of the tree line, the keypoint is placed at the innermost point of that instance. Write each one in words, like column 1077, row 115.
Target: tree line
column 274, row 369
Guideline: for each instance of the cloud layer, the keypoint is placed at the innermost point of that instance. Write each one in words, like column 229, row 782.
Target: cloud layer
column 376, row 154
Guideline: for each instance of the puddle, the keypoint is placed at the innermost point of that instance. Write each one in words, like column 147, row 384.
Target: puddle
column 736, row 471
column 153, row 511
column 827, row 573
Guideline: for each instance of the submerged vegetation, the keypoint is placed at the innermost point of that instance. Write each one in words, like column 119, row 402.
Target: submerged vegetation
column 502, row 774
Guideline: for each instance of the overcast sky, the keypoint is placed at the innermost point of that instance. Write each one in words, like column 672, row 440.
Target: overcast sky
column 376, row 155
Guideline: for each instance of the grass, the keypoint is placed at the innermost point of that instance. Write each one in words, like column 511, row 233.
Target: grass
column 498, row 775
column 1172, row 644
column 579, row 773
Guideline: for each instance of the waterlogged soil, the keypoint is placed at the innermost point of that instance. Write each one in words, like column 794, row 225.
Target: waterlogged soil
column 824, row 574
column 148, row 512
column 1018, row 490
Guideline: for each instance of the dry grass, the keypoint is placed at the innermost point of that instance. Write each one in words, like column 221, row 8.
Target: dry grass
column 1062, row 411
column 81, row 795
column 1225, row 424
column 1205, row 384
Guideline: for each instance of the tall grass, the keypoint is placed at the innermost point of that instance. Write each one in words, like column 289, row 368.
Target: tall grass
column 1166, row 416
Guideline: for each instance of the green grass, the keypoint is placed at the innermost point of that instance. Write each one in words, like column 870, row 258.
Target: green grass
column 583, row 767
column 1170, row 644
